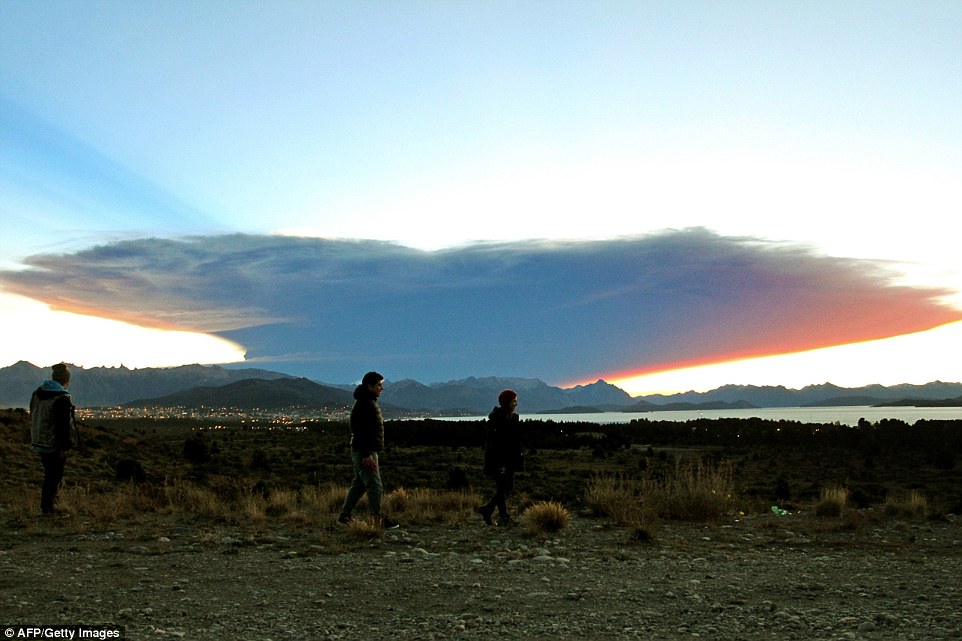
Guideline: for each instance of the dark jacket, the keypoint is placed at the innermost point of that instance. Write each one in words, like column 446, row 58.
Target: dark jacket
column 51, row 414
column 367, row 425
column 503, row 445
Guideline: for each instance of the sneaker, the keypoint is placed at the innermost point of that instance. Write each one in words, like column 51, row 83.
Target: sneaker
column 485, row 513
column 344, row 519
column 388, row 524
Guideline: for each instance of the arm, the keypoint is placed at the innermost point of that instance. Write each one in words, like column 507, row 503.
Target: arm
column 60, row 414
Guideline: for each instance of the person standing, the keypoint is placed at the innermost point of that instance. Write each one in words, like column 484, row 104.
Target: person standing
column 502, row 455
column 52, row 417
column 367, row 440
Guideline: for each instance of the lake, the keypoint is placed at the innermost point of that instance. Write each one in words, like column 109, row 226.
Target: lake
column 841, row 415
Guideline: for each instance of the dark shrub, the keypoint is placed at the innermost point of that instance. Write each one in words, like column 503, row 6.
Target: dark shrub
column 259, row 460
column 457, row 478
column 196, row 450
column 130, row 470
column 943, row 459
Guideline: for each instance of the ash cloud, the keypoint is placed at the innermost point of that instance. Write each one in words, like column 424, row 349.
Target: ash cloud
column 331, row 309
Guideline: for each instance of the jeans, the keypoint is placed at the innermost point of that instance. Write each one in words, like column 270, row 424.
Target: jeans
column 53, row 466
column 503, row 484
column 365, row 480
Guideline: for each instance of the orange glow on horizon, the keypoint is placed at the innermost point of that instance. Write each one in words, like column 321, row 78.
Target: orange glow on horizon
column 733, row 358
column 921, row 357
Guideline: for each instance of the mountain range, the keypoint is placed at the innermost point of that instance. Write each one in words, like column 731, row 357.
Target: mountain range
column 200, row 385
column 254, row 393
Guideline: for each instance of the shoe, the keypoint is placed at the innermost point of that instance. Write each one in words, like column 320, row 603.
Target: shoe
column 388, row 524
column 344, row 519
column 485, row 513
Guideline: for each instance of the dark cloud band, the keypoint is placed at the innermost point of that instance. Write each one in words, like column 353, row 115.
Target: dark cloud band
column 555, row 310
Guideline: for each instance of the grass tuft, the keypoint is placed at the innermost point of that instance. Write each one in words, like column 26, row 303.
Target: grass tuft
column 831, row 502
column 545, row 517
column 365, row 528
column 697, row 491
column 906, row 505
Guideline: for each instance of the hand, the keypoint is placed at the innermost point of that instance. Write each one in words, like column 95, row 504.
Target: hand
column 370, row 463
column 62, row 454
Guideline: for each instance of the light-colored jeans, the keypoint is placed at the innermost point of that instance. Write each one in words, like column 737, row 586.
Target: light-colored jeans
column 365, row 480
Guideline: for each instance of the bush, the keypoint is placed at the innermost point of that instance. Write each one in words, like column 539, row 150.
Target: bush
column 697, row 491
column 831, row 502
column 545, row 518
column 196, row 450
column 908, row 505
column 628, row 503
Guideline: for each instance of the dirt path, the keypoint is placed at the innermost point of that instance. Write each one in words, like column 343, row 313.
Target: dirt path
column 762, row 578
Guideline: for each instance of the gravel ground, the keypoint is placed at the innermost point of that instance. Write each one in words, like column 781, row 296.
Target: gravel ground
column 791, row 577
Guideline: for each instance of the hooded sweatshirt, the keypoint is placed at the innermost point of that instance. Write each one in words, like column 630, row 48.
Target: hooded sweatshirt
column 503, row 444
column 367, row 425
column 51, row 412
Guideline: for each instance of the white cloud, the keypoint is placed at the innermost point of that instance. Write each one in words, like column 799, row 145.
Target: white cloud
column 35, row 333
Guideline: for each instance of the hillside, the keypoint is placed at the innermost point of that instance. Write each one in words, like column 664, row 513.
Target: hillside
column 644, row 406
column 110, row 386
column 479, row 395
column 254, row 394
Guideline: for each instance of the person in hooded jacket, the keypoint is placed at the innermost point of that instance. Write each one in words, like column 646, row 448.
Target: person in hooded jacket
column 367, row 440
column 51, row 415
column 502, row 455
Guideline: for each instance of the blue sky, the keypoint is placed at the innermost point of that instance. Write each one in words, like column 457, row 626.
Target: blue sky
column 199, row 144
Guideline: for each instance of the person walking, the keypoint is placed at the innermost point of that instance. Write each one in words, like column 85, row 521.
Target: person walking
column 52, row 417
column 367, row 440
column 502, row 455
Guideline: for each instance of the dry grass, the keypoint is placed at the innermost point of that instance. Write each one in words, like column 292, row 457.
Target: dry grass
column 421, row 505
column 186, row 502
column 692, row 491
column 906, row 505
column 365, row 528
column 831, row 502
column 696, row 491
column 545, row 518
column 627, row 502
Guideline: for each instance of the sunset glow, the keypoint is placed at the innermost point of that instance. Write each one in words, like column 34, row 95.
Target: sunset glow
column 914, row 358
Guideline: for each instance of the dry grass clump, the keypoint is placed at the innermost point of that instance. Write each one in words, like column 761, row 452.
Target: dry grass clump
column 365, row 528
column 831, row 501
column 545, row 518
column 691, row 491
column 629, row 503
column 697, row 491
column 325, row 499
column 422, row 505
column 906, row 505
column 397, row 500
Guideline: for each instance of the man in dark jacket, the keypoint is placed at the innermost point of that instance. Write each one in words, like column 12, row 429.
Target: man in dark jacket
column 51, row 415
column 367, row 440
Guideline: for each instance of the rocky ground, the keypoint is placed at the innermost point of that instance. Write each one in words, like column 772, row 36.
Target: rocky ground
column 791, row 577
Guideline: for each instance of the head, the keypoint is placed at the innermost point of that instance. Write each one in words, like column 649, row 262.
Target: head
column 61, row 374
column 374, row 383
column 508, row 399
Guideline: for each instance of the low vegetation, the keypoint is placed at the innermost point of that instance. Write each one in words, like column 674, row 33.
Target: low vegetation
column 257, row 476
column 545, row 517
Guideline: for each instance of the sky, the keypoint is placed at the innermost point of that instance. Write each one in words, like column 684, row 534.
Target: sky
column 669, row 196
